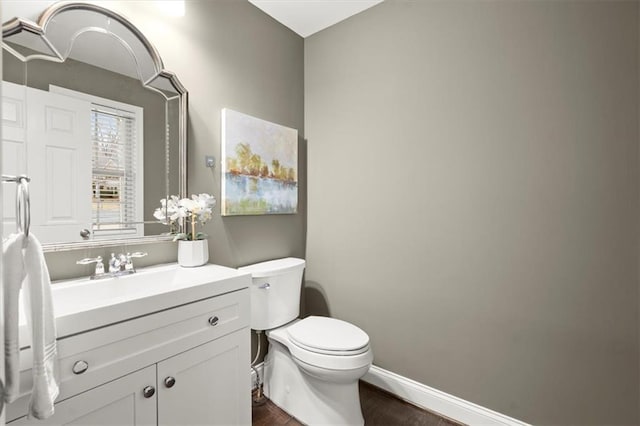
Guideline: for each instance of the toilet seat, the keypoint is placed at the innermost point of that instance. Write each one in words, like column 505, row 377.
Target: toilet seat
column 328, row 336
column 309, row 352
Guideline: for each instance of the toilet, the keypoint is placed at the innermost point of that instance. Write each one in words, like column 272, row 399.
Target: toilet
column 313, row 365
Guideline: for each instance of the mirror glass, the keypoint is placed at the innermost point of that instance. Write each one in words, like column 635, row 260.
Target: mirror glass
column 97, row 124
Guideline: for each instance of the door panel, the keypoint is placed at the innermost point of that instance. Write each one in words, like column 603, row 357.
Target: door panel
column 211, row 384
column 59, row 154
column 119, row 402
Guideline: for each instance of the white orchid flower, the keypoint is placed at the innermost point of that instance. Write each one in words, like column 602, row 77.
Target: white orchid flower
column 190, row 205
column 198, row 208
column 159, row 214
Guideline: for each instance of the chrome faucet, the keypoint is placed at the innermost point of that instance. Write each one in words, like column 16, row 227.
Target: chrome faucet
column 122, row 264
column 114, row 263
column 118, row 265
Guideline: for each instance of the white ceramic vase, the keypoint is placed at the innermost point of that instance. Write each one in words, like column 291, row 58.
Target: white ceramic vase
column 193, row 253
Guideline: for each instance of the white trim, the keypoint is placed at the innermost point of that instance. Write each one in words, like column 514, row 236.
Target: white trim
column 426, row 397
column 437, row 401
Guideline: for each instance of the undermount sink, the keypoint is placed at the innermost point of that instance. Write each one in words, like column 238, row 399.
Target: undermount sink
column 84, row 304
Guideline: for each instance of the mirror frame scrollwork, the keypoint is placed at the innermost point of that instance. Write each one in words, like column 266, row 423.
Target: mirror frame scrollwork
column 18, row 25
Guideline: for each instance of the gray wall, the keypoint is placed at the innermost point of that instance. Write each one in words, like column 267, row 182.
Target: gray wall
column 473, row 199
column 230, row 54
column 227, row 53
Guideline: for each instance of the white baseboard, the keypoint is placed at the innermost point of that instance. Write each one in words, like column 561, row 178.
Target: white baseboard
column 434, row 400
column 426, row 397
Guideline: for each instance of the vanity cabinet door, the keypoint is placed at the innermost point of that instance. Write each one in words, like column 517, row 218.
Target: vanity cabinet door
column 208, row 384
column 120, row 402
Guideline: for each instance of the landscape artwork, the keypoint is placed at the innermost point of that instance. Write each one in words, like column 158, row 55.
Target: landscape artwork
column 260, row 166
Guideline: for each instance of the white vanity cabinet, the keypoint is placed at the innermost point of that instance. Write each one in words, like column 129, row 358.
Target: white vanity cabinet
column 188, row 364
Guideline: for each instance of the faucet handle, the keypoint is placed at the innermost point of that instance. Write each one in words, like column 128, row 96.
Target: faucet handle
column 130, row 257
column 96, row 260
column 99, row 266
column 89, row 260
column 128, row 265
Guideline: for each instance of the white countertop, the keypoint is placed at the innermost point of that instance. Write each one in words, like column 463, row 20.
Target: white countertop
column 82, row 304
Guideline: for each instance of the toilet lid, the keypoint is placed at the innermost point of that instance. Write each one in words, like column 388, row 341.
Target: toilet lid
column 328, row 335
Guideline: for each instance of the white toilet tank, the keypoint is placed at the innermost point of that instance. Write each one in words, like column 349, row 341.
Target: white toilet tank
column 275, row 292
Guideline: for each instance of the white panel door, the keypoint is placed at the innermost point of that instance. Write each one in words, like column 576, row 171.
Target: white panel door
column 211, row 383
column 14, row 151
column 59, row 164
column 120, row 402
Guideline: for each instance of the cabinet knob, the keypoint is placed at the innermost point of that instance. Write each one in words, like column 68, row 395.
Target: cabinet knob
column 169, row 381
column 148, row 391
column 213, row 321
column 80, row 367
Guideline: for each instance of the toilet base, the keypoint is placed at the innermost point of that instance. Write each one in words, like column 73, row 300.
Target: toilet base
column 310, row 400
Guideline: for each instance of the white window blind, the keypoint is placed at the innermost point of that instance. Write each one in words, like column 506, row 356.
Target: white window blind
column 114, row 142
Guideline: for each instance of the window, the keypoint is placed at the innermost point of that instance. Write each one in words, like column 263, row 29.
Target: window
column 113, row 136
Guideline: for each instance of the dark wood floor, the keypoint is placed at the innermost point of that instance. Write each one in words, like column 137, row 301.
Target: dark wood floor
column 379, row 408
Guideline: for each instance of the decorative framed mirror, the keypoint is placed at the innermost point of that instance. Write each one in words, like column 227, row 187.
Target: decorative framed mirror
column 91, row 116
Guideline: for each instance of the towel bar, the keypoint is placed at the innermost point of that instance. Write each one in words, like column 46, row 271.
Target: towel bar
column 23, row 204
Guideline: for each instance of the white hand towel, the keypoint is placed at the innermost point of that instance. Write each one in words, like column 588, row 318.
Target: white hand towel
column 39, row 310
column 12, row 276
column 39, row 313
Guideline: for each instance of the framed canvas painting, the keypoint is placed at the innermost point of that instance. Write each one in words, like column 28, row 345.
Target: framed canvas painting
column 260, row 166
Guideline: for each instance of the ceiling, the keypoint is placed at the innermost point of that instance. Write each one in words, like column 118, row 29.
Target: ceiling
column 307, row 17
